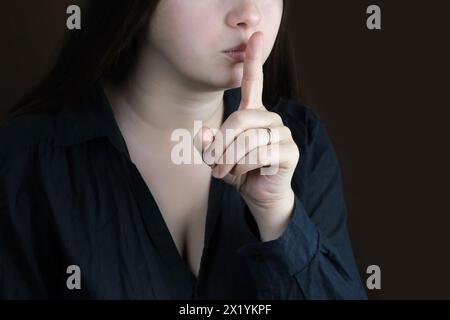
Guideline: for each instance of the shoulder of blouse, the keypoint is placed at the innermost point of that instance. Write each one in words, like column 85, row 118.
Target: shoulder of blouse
column 23, row 141
column 301, row 119
column 18, row 136
column 310, row 134
column 22, row 135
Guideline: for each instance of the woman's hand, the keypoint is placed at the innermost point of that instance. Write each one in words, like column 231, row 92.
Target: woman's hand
column 260, row 169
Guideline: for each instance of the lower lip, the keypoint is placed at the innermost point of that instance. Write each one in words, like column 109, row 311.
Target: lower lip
column 236, row 56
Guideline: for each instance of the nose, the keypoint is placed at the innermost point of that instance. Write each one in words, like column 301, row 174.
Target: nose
column 246, row 15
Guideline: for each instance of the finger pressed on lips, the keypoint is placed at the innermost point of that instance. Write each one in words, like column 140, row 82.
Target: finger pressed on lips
column 251, row 98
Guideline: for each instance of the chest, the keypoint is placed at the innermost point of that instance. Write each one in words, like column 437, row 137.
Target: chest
column 181, row 193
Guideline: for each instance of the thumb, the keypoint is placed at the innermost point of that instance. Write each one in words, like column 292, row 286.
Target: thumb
column 203, row 139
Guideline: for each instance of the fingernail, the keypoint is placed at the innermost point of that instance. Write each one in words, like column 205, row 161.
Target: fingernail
column 208, row 158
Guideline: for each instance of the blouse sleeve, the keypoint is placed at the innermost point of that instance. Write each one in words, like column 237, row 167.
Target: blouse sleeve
column 313, row 257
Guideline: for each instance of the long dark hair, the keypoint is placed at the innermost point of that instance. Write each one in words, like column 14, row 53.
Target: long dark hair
column 106, row 47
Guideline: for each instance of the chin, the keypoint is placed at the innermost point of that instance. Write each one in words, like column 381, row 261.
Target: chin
column 230, row 78
column 235, row 78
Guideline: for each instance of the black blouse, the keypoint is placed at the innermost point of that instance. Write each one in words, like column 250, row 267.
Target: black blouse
column 70, row 195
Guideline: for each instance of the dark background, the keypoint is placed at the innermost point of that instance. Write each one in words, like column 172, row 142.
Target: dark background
column 384, row 96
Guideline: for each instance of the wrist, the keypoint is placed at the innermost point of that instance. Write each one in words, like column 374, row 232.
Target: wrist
column 273, row 220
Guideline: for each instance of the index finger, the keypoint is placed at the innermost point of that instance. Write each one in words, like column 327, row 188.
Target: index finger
column 252, row 77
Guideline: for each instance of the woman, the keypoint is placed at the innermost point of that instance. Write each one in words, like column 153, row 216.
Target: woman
column 93, row 203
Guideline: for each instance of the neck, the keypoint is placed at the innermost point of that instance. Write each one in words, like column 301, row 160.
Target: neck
column 157, row 99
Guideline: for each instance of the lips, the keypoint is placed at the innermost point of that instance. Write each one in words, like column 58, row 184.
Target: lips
column 236, row 54
column 238, row 48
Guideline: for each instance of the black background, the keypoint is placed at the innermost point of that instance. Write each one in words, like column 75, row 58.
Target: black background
column 384, row 97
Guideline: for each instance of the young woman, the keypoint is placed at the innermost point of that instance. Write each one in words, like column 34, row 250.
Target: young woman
column 93, row 204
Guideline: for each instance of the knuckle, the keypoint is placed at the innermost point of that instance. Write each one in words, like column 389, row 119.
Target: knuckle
column 276, row 117
column 296, row 151
column 238, row 118
column 288, row 132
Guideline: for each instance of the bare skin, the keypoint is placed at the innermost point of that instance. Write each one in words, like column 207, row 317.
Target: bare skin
column 184, row 212
column 178, row 80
